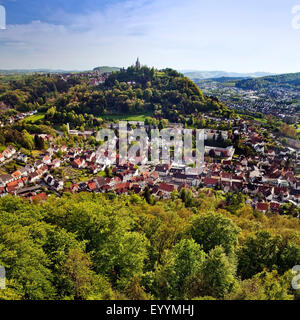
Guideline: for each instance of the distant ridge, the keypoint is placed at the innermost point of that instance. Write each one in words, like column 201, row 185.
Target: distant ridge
column 222, row 74
column 102, row 69
column 105, row 69
column 27, row 71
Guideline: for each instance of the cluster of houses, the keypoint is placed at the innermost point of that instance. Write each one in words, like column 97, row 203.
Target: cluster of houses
column 17, row 182
column 20, row 116
column 268, row 186
column 275, row 100
column 263, row 177
column 95, row 78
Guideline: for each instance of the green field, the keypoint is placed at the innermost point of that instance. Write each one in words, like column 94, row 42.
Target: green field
column 126, row 117
column 260, row 120
column 34, row 118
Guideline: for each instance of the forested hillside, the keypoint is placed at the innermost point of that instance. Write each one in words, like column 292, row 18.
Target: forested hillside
column 90, row 246
column 284, row 80
column 165, row 94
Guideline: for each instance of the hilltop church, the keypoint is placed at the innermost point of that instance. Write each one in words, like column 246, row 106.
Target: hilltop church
column 138, row 64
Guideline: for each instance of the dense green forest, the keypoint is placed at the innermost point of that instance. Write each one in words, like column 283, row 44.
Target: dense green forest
column 92, row 246
column 29, row 92
column 284, row 80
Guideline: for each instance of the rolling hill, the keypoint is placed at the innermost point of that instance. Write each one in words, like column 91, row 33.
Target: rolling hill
column 283, row 80
column 221, row 74
column 106, row 69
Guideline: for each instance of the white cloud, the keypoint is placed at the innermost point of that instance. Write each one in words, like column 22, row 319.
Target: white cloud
column 180, row 34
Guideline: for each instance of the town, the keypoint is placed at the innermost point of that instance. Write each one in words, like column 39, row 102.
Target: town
column 279, row 101
column 268, row 178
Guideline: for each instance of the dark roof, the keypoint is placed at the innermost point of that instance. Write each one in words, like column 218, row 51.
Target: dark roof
column 210, row 181
column 162, row 168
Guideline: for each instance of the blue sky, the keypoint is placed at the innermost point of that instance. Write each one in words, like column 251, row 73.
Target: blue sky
column 231, row 35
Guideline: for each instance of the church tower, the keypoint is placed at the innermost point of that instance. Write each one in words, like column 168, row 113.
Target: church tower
column 138, row 64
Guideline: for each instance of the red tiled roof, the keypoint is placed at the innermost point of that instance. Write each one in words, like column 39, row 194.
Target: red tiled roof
column 124, row 185
column 166, row 187
column 210, row 181
column 92, row 185
column 16, row 174
column 262, row 206
column 39, row 197
column 274, row 205
column 154, row 175
column 74, row 186
column 77, row 161
column 14, row 183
